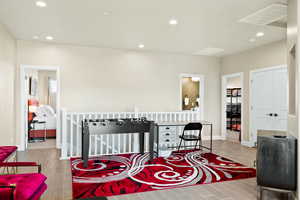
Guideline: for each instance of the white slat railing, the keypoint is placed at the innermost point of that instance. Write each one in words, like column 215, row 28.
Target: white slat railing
column 71, row 123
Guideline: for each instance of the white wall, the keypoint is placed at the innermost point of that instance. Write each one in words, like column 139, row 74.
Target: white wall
column 293, row 38
column 234, row 82
column 33, row 74
column 97, row 79
column 292, row 66
column 43, row 85
column 7, row 74
column 273, row 54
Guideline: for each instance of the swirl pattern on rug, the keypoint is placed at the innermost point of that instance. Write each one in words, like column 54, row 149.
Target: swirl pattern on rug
column 131, row 173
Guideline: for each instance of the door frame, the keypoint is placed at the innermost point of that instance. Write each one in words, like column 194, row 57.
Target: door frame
column 22, row 102
column 224, row 103
column 201, row 91
column 251, row 74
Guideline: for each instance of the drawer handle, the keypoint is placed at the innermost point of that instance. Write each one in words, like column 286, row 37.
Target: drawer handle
column 167, row 140
column 167, row 128
column 167, row 134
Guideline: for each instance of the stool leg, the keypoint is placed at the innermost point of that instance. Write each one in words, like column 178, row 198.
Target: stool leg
column 290, row 195
column 258, row 193
column 261, row 193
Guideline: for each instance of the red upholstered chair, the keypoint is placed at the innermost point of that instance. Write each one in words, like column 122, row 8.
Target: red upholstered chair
column 6, row 152
column 29, row 186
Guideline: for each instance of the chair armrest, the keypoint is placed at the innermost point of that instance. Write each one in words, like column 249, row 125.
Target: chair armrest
column 21, row 164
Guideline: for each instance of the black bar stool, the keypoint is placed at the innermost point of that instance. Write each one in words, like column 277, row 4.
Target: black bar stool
column 191, row 127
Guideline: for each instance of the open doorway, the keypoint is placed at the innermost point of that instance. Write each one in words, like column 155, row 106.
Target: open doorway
column 232, row 101
column 40, row 104
column 192, row 93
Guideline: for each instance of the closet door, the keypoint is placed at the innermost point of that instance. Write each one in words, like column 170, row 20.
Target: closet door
column 269, row 101
column 280, row 99
column 262, row 106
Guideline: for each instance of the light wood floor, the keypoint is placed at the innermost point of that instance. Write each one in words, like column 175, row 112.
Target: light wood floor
column 233, row 136
column 59, row 178
column 48, row 144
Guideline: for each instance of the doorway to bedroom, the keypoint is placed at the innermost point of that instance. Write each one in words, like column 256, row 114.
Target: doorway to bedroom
column 39, row 94
column 192, row 93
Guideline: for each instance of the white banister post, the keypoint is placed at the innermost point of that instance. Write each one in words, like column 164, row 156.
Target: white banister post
column 135, row 139
column 136, row 114
column 64, row 148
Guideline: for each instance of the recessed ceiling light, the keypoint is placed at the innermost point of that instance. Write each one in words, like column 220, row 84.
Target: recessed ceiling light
column 106, row 13
column 141, row 46
column 173, row 22
column 49, row 38
column 36, row 37
column 260, row 34
column 41, row 4
column 252, row 40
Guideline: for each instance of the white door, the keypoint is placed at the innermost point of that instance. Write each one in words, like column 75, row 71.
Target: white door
column 280, row 99
column 269, row 96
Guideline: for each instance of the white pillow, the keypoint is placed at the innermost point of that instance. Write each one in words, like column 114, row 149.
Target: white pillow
column 45, row 111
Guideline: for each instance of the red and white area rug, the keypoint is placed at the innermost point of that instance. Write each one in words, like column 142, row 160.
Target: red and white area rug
column 132, row 173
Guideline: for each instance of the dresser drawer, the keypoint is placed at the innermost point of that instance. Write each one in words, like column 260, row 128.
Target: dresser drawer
column 165, row 140
column 167, row 137
column 167, row 134
column 167, row 128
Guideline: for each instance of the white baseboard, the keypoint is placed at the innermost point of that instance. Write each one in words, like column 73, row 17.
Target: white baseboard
column 248, row 143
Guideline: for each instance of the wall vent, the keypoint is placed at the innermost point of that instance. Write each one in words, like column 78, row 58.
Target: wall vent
column 268, row 16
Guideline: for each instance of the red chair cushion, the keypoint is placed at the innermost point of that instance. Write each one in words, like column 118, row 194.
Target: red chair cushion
column 39, row 193
column 6, row 151
column 27, row 185
column 5, row 193
column 18, row 164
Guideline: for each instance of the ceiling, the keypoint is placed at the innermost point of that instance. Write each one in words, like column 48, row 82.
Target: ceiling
column 201, row 24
